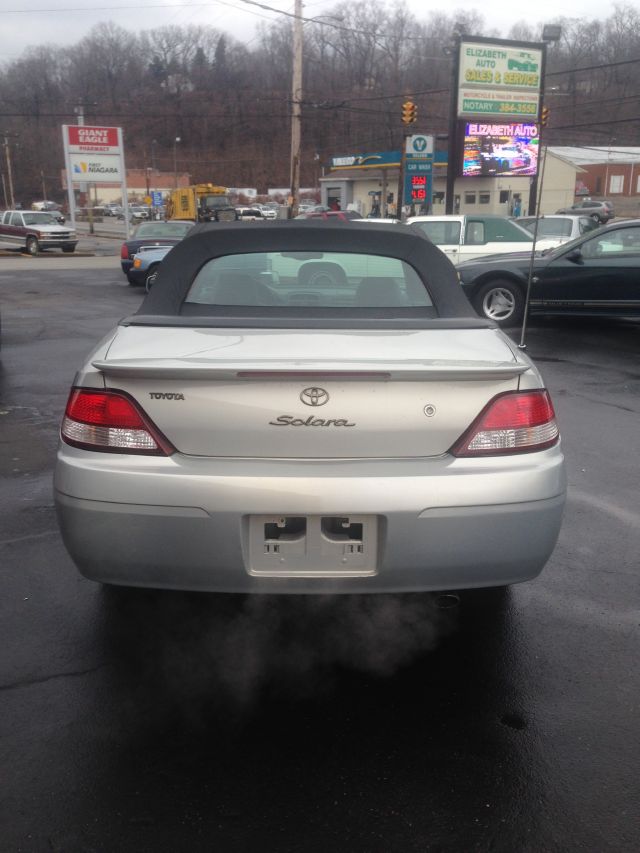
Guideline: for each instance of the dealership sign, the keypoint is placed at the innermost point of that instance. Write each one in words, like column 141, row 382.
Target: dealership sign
column 499, row 80
column 500, row 150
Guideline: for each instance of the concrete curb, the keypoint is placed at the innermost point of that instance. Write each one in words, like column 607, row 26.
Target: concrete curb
column 67, row 255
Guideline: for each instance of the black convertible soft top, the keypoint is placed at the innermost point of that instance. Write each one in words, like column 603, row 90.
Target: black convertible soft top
column 214, row 240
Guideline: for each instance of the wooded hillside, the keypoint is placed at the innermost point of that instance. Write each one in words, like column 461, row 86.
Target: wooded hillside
column 230, row 103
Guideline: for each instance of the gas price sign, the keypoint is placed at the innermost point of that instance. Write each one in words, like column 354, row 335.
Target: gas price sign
column 418, row 189
column 418, row 171
column 418, row 183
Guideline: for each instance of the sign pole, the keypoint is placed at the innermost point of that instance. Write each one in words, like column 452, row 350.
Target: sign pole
column 534, row 198
column 125, row 192
column 525, row 317
column 71, row 201
column 383, row 200
column 403, row 161
column 452, row 147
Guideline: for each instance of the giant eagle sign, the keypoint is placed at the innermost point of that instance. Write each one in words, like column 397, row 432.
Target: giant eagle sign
column 94, row 155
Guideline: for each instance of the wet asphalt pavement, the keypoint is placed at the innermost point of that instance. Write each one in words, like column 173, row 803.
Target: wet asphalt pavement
column 186, row 723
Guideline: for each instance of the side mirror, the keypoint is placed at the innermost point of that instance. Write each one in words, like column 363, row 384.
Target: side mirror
column 575, row 255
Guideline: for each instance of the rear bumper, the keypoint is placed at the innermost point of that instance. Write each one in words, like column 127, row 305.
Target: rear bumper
column 183, row 523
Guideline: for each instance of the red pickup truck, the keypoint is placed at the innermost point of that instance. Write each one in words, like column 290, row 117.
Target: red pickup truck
column 33, row 231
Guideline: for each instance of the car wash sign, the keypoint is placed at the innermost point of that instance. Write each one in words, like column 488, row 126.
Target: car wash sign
column 418, row 171
column 93, row 155
column 500, row 79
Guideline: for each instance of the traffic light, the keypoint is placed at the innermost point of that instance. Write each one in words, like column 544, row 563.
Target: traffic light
column 409, row 112
column 544, row 116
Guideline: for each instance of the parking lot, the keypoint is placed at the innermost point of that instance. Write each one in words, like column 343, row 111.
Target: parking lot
column 164, row 721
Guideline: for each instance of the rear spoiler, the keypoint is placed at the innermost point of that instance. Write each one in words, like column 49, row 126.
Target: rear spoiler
column 309, row 371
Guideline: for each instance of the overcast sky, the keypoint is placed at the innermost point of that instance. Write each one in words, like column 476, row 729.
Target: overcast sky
column 69, row 20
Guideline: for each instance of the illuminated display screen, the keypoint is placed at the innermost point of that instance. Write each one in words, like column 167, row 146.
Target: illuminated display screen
column 418, row 187
column 500, row 150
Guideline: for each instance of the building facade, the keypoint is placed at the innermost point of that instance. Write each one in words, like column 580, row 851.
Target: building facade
column 140, row 183
column 607, row 172
column 364, row 182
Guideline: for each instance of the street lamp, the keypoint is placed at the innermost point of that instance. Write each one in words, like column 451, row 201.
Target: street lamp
column 154, row 142
column 551, row 32
column 175, row 161
column 606, row 173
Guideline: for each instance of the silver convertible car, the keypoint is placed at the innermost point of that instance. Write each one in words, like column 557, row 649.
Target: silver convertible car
column 306, row 407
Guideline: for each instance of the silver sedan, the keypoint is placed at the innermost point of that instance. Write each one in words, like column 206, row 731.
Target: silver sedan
column 308, row 408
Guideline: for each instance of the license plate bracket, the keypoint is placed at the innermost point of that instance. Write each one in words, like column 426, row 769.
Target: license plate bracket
column 313, row 545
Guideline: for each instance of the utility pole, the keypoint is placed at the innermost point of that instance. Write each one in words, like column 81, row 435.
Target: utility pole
column 79, row 111
column 7, row 154
column 296, row 108
column 44, row 187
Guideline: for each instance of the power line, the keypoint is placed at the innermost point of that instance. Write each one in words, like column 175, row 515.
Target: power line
column 141, row 115
column 446, row 90
column 57, row 10
column 596, row 124
column 263, row 6
column 597, row 67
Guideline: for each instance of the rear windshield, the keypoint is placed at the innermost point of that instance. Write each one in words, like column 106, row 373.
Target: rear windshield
column 163, row 229
column 211, row 202
column 39, row 219
column 549, row 227
column 440, row 233
column 308, row 280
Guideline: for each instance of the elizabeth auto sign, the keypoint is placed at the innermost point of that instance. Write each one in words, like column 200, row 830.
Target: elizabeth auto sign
column 499, row 79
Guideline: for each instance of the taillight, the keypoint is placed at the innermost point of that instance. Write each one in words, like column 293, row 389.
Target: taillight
column 124, row 252
column 111, row 421
column 513, row 422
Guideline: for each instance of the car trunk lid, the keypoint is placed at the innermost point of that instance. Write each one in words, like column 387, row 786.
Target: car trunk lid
column 318, row 394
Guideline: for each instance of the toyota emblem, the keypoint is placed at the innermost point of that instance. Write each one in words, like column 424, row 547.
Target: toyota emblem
column 314, row 396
